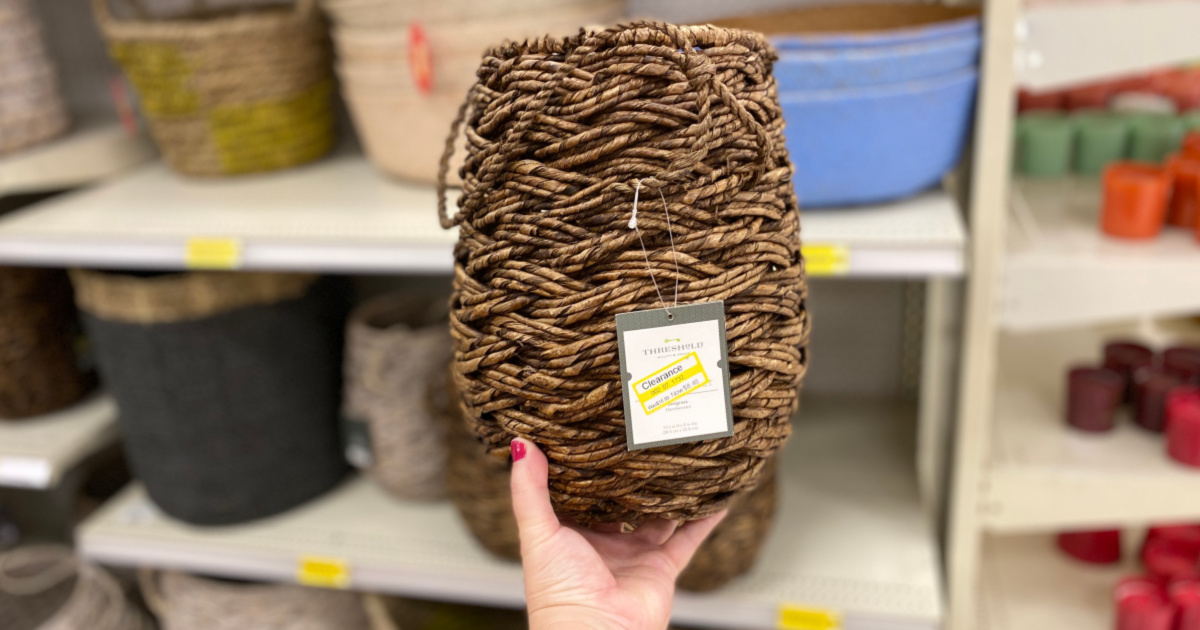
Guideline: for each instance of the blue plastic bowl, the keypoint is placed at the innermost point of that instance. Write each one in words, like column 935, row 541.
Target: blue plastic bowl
column 860, row 25
column 875, row 144
column 851, row 67
column 950, row 29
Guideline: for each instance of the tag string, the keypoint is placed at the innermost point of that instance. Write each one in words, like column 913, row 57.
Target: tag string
column 633, row 225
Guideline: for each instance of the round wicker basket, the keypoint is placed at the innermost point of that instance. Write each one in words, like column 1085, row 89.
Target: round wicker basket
column 229, row 93
column 228, row 384
column 562, row 133
column 39, row 369
column 479, row 487
column 190, row 602
column 46, row 587
column 31, row 108
column 394, row 346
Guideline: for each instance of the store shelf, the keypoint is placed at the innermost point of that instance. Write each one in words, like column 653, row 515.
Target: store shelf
column 94, row 148
column 1044, row 476
column 1060, row 270
column 341, row 215
column 1067, row 43
column 849, row 537
column 1030, row 585
column 35, row 452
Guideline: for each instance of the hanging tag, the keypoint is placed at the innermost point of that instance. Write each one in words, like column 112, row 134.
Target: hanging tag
column 675, row 375
column 356, row 442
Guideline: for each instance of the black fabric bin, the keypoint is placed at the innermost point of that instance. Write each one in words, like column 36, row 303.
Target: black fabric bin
column 228, row 393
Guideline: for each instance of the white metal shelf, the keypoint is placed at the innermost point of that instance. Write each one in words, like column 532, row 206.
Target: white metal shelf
column 849, row 536
column 341, row 215
column 1030, row 585
column 1068, row 43
column 1044, row 476
column 1061, row 270
column 93, row 149
column 35, row 452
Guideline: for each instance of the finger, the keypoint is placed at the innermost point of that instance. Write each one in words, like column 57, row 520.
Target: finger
column 687, row 539
column 655, row 532
column 531, row 496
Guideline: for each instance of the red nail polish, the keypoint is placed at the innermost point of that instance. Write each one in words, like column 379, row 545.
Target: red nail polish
column 518, row 450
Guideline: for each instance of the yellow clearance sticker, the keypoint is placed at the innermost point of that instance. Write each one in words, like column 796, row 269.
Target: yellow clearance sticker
column 323, row 572
column 803, row 618
column 213, row 253
column 825, row 259
column 670, row 383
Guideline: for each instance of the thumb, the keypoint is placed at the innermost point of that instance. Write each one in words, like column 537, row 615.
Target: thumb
column 536, row 520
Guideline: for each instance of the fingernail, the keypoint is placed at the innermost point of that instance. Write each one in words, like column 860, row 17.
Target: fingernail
column 518, row 450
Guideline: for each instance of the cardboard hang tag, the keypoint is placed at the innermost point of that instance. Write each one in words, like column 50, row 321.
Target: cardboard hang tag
column 675, row 375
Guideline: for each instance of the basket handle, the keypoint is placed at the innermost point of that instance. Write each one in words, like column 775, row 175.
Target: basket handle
column 60, row 565
column 155, row 600
column 444, row 165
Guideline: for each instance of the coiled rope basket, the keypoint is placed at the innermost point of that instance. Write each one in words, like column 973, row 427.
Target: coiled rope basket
column 561, row 133
column 46, row 587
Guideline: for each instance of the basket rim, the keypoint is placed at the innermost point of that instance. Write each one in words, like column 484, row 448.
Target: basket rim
column 304, row 12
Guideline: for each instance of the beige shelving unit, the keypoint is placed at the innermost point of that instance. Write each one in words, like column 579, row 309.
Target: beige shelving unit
column 1045, row 290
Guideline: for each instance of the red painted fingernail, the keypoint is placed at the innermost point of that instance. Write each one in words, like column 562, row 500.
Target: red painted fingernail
column 518, row 450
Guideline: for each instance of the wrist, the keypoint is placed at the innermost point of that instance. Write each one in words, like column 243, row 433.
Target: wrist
column 572, row 617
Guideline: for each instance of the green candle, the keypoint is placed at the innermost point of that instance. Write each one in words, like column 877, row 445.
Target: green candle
column 1102, row 139
column 1155, row 136
column 1045, row 144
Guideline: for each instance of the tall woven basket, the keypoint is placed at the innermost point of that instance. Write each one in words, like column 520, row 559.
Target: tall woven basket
column 39, row 369
column 479, row 487
column 394, row 346
column 228, row 385
column 46, row 587
column 31, row 107
column 563, row 133
column 229, row 93
column 400, row 119
column 190, row 602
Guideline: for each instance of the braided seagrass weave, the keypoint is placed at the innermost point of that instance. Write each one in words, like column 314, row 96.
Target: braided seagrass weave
column 559, row 133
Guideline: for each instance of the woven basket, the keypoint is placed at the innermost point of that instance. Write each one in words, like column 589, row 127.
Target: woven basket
column 479, row 487
column 403, row 128
column 31, row 108
column 545, row 257
column 228, row 385
column 394, row 345
column 190, row 602
column 39, row 370
column 45, row 587
column 230, row 93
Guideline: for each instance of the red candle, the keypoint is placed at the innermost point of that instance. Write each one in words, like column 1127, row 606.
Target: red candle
column 1092, row 397
column 1183, row 426
column 1094, row 96
column 1185, row 191
column 1186, row 597
column 1150, row 397
column 1143, row 605
column 1135, row 199
column 1183, row 362
column 1027, row 101
column 1094, row 547
column 1126, row 358
column 1171, row 559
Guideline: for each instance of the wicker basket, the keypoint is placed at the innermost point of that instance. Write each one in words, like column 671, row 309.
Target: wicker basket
column 190, row 602
column 479, row 487
column 230, row 93
column 45, row 587
column 394, row 345
column 31, row 108
column 403, row 127
column 39, row 369
column 545, row 254
column 228, row 385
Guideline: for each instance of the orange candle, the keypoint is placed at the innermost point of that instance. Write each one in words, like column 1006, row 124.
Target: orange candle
column 1185, row 190
column 1191, row 145
column 1135, row 199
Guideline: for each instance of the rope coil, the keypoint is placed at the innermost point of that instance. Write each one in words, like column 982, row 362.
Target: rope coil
column 561, row 135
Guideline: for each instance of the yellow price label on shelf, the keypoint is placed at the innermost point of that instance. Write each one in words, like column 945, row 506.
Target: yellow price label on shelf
column 323, row 572
column 212, row 253
column 793, row 617
column 826, row 260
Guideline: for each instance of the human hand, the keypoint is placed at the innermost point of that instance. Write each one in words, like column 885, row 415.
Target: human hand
column 596, row 579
